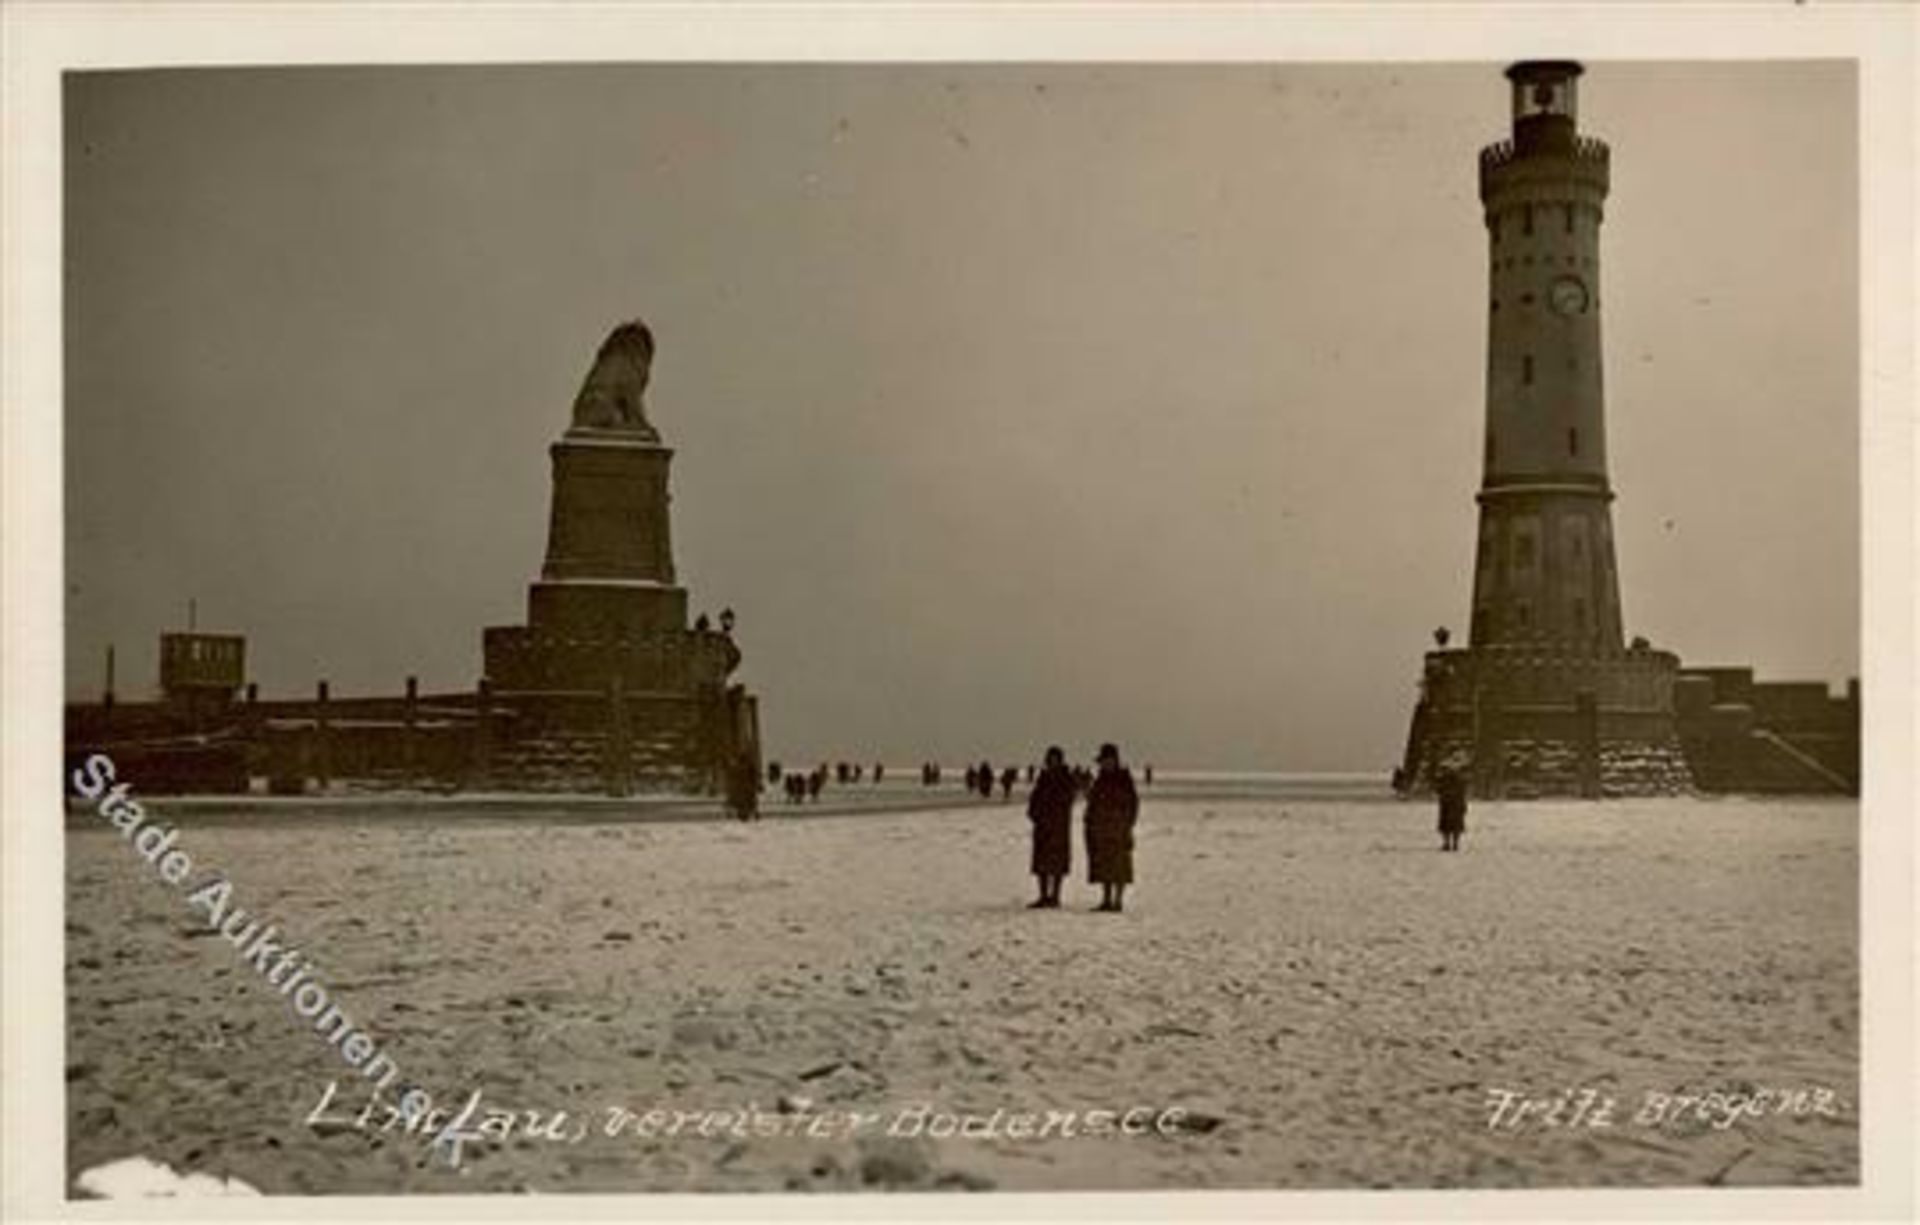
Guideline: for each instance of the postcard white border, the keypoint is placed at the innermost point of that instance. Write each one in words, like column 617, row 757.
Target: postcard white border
column 40, row 40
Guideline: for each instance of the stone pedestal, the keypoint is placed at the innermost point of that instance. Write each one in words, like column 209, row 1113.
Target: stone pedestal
column 606, row 606
column 609, row 518
column 609, row 566
column 607, row 684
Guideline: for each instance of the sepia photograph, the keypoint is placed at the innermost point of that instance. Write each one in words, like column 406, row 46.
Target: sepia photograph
column 794, row 625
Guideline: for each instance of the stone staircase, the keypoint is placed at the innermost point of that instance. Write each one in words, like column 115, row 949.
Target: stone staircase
column 1811, row 761
column 1772, row 764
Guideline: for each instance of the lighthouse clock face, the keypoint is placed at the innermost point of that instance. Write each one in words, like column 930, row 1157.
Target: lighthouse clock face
column 1568, row 295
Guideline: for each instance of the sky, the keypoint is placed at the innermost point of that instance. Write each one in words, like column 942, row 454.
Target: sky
column 1012, row 404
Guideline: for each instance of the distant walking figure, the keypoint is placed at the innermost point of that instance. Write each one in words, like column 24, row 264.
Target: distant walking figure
column 1050, row 809
column 1008, row 777
column 984, row 780
column 1452, row 791
column 1112, row 807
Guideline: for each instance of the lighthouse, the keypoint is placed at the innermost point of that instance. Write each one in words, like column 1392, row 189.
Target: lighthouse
column 1544, row 569
column 1547, row 697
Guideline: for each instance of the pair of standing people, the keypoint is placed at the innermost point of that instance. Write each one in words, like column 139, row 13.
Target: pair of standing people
column 1112, row 808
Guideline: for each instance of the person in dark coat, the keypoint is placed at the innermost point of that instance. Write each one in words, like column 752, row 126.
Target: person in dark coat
column 1050, row 809
column 743, row 789
column 1112, row 808
column 1451, row 789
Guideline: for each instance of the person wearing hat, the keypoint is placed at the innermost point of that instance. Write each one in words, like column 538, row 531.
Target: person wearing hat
column 1112, row 807
column 1050, row 809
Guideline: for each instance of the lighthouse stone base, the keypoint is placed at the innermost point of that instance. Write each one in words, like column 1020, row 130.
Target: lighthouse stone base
column 1535, row 721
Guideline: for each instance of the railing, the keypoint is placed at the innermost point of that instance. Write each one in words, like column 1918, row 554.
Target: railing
column 1585, row 148
column 1587, row 152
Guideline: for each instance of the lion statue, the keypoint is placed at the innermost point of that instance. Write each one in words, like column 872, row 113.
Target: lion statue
column 614, row 395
